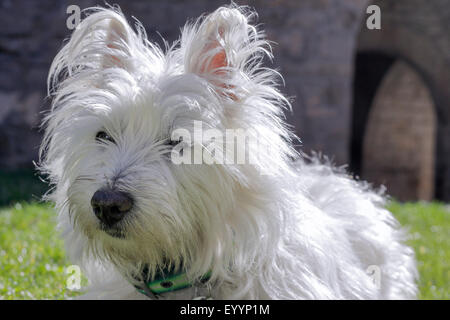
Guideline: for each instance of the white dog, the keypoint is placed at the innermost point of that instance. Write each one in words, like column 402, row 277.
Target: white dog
column 142, row 226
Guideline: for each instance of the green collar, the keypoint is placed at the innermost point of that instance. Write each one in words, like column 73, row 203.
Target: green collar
column 166, row 281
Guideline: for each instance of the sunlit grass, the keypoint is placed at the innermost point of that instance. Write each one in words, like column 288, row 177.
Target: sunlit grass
column 32, row 259
column 429, row 227
column 33, row 262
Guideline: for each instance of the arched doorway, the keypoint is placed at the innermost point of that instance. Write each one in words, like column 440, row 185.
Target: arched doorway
column 370, row 68
column 399, row 142
column 414, row 31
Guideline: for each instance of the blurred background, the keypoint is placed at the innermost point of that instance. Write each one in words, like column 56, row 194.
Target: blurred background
column 377, row 100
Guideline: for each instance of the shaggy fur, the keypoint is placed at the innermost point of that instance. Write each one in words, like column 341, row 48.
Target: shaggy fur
column 283, row 228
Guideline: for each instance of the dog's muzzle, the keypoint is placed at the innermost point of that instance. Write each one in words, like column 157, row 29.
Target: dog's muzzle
column 110, row 206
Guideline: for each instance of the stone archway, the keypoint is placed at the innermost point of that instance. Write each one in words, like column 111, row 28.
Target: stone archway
column 415, row 32
column 399, row 143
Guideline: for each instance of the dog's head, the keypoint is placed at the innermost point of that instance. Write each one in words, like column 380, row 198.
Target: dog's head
column 121, row 106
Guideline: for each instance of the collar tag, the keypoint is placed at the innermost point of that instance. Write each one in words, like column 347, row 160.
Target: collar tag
column 169, row 283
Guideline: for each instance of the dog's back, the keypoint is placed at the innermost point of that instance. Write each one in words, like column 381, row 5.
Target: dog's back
column 368, row 238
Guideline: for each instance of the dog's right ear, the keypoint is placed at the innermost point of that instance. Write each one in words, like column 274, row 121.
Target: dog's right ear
column 117, row 42
column 102, row 40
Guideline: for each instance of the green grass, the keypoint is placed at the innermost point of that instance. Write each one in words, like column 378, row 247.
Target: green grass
column 429, row 227
column 32, row 259
column 33, row 262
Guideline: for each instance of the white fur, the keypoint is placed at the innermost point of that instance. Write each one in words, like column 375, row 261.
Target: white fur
column 280, row 229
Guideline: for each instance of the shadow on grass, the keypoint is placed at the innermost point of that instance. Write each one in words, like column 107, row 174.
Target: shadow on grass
column 21, row 185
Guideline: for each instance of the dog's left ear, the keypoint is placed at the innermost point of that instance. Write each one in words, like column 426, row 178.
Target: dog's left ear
column 218, row 47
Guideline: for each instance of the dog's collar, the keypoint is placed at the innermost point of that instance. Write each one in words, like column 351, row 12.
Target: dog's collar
column 165, row 281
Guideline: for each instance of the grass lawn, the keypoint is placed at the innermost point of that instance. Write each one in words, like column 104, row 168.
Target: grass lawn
column 32, row 259
column 33, row 262
column 429, row 227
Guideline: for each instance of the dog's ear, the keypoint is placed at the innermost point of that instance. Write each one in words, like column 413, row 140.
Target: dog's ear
column 218, row 46
column 103, row 40
column 117, row 42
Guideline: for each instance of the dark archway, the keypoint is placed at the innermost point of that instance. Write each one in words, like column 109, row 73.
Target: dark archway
column 370, row 68
column 407, row 168
column 415, row 32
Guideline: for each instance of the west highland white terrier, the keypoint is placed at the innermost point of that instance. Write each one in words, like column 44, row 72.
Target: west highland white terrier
column 142, row 225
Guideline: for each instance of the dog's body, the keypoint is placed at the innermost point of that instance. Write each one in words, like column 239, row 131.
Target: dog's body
column 272, row 229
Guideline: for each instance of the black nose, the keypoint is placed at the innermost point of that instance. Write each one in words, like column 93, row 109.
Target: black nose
column 110, row 206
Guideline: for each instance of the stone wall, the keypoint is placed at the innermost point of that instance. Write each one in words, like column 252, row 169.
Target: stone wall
column 315, row 40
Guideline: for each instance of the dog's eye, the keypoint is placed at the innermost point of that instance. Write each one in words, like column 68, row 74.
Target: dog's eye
column 102, row 136
column 173, row 143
